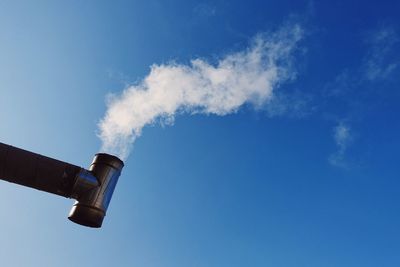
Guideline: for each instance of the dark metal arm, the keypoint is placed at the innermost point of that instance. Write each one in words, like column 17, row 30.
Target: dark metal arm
column 91, row 188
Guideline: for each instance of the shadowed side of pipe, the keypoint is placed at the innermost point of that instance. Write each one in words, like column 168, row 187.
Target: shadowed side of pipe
column 37, row 171
column 91, row 188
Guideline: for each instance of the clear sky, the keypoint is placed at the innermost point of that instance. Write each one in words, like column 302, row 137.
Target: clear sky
column 310, row 178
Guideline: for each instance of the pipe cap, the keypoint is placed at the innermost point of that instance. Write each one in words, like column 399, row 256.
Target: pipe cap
column 86, row 215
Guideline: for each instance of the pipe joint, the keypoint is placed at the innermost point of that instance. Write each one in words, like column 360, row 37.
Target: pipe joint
column 93, row 190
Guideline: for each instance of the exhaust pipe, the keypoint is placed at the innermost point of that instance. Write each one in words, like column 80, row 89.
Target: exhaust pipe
column 92, row 188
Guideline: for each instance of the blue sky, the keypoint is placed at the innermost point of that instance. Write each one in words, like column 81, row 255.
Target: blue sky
column 309, row 178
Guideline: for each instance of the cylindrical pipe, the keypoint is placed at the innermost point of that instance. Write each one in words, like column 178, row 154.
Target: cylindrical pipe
column 33, row 170
column 91, row 188
column 90, row 208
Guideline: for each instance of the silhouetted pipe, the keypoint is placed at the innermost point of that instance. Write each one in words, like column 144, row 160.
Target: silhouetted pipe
column 91, row 188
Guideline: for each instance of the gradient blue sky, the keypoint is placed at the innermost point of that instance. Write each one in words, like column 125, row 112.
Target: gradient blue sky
column 309, row 180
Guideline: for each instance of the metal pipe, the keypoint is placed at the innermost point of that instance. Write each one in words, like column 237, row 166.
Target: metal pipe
column 91, row 188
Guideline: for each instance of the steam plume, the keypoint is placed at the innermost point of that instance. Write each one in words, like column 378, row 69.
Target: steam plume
column 245, row 77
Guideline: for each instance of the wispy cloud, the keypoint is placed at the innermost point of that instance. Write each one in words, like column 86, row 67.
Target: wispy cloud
column 245, row 77
column 355, row 90
column 343, row 137
column 380, row 61
column 293, row 104
column 205, row 10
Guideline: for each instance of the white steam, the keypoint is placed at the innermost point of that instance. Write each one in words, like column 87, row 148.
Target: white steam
column 248, row 76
